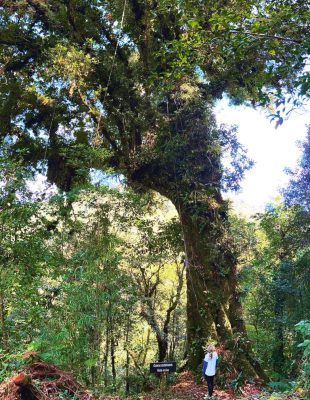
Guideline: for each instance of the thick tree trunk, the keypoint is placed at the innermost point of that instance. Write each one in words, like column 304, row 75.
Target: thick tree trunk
column 214, row 312
column 188, row 171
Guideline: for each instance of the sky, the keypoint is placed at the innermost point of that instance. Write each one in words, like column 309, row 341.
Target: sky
column 272, row 150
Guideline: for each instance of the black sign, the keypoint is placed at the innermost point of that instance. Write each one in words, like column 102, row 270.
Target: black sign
column 165, row 366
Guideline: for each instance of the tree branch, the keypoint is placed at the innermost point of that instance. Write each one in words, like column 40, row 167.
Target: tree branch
column 175, row 302
column 266, row 36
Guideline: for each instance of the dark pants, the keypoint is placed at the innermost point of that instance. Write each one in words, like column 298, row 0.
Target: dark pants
column 210, row 380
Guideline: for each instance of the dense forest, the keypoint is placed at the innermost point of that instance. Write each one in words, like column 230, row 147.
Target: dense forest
column 101, row 278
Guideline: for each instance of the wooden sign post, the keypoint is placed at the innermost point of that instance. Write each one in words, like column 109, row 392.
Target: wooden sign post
column 163, row 368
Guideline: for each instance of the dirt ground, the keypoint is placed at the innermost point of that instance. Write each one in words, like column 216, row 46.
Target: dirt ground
column 43, row 381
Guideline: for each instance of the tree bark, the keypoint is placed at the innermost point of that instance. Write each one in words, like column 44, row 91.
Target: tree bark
column 214, row 311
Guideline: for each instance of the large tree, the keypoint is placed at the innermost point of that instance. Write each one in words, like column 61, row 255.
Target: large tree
column 129, row 85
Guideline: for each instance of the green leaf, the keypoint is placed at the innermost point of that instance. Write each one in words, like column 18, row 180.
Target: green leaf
column 91, row 362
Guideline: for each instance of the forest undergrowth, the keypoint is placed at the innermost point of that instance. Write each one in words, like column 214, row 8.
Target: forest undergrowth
column 43, row 381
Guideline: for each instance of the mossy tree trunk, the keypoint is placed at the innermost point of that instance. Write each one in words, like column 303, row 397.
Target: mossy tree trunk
column 214, row 312
column 190, row 176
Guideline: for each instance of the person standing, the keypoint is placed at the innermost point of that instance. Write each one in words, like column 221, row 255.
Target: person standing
column 209, row 368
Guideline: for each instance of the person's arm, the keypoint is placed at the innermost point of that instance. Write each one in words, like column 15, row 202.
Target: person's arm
column 204, row 367
column 217, row 361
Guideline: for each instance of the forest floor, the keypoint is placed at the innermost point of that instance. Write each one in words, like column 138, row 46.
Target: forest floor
column 186, row 388
column 43, row 381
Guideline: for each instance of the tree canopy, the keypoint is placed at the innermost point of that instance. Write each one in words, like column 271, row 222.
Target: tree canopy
column 103, row 72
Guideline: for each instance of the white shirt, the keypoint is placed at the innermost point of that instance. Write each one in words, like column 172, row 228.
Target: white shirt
column 211, row 368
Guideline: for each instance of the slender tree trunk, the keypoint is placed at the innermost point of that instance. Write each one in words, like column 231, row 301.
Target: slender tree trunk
column 146, row 346
column 94, row 345
column 173, row 338
column 113, row 356
column 3, row 323
column 128, row 326
column 93, row 375
column 162, row 342
column 278, row 350
column 107, row 347
column 127, row 388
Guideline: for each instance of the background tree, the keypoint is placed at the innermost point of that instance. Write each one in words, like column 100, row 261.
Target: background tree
column 23, row 256
column 296, row 193
column 276, row 279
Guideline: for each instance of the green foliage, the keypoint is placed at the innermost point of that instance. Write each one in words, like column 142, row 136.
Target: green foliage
column 9, row 363
column 280, row 386
column 297, row 192
column 304, row 328
column 83, row 291
column 275, row 279
column 24, row 257
column 277, row 288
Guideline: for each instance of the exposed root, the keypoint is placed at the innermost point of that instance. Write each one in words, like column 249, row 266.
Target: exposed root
column 42, row 381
